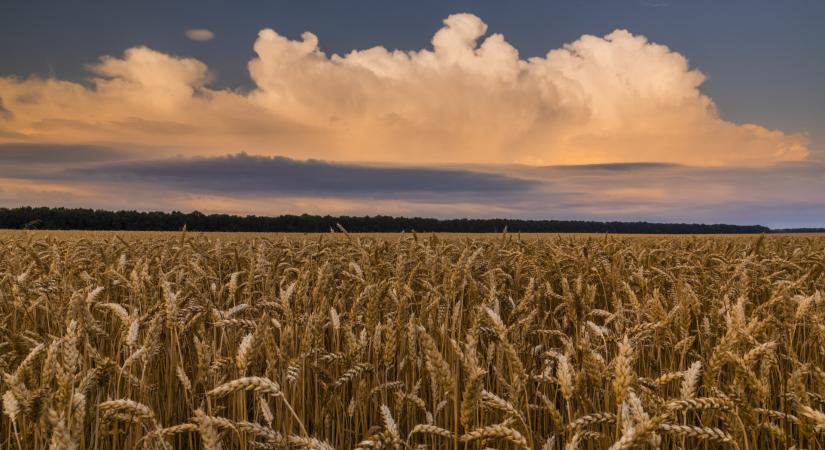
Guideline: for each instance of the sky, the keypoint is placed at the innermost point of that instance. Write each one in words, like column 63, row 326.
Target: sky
column 671, row 111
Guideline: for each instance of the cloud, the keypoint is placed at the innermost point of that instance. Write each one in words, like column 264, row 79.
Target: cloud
column 57, row 155
column 244, row 174
column 470, row 99
column 780, row 195
column 23, row 160
column 200, row 34
column 4, row 113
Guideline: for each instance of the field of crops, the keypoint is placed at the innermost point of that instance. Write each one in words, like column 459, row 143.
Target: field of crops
column 340, row 341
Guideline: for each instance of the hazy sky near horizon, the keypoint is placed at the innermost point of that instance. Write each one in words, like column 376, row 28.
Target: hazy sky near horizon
column 548, row 110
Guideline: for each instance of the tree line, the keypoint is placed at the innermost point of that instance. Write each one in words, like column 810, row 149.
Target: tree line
column 92, row 219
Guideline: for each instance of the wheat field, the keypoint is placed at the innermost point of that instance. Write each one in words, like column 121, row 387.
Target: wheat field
column 342, row 341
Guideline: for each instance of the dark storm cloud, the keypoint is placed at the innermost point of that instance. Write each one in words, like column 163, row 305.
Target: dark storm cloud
column 251, row 174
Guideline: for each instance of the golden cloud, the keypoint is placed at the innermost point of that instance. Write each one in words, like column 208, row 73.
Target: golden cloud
column 469, row 99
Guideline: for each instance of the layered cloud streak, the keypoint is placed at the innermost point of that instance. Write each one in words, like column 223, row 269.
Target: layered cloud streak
column 244, row 174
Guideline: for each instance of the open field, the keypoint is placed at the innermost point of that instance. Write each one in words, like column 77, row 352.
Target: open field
column 242, row 341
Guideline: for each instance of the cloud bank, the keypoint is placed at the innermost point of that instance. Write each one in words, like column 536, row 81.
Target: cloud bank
column 244, row 174
column 469, row 99
column 781, row 195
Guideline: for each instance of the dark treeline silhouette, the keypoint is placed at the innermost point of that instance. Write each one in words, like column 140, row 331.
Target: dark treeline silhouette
column 90, row 219
column 798, row 230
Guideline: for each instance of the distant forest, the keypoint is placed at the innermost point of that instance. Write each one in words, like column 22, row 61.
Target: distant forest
column 91, row 219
